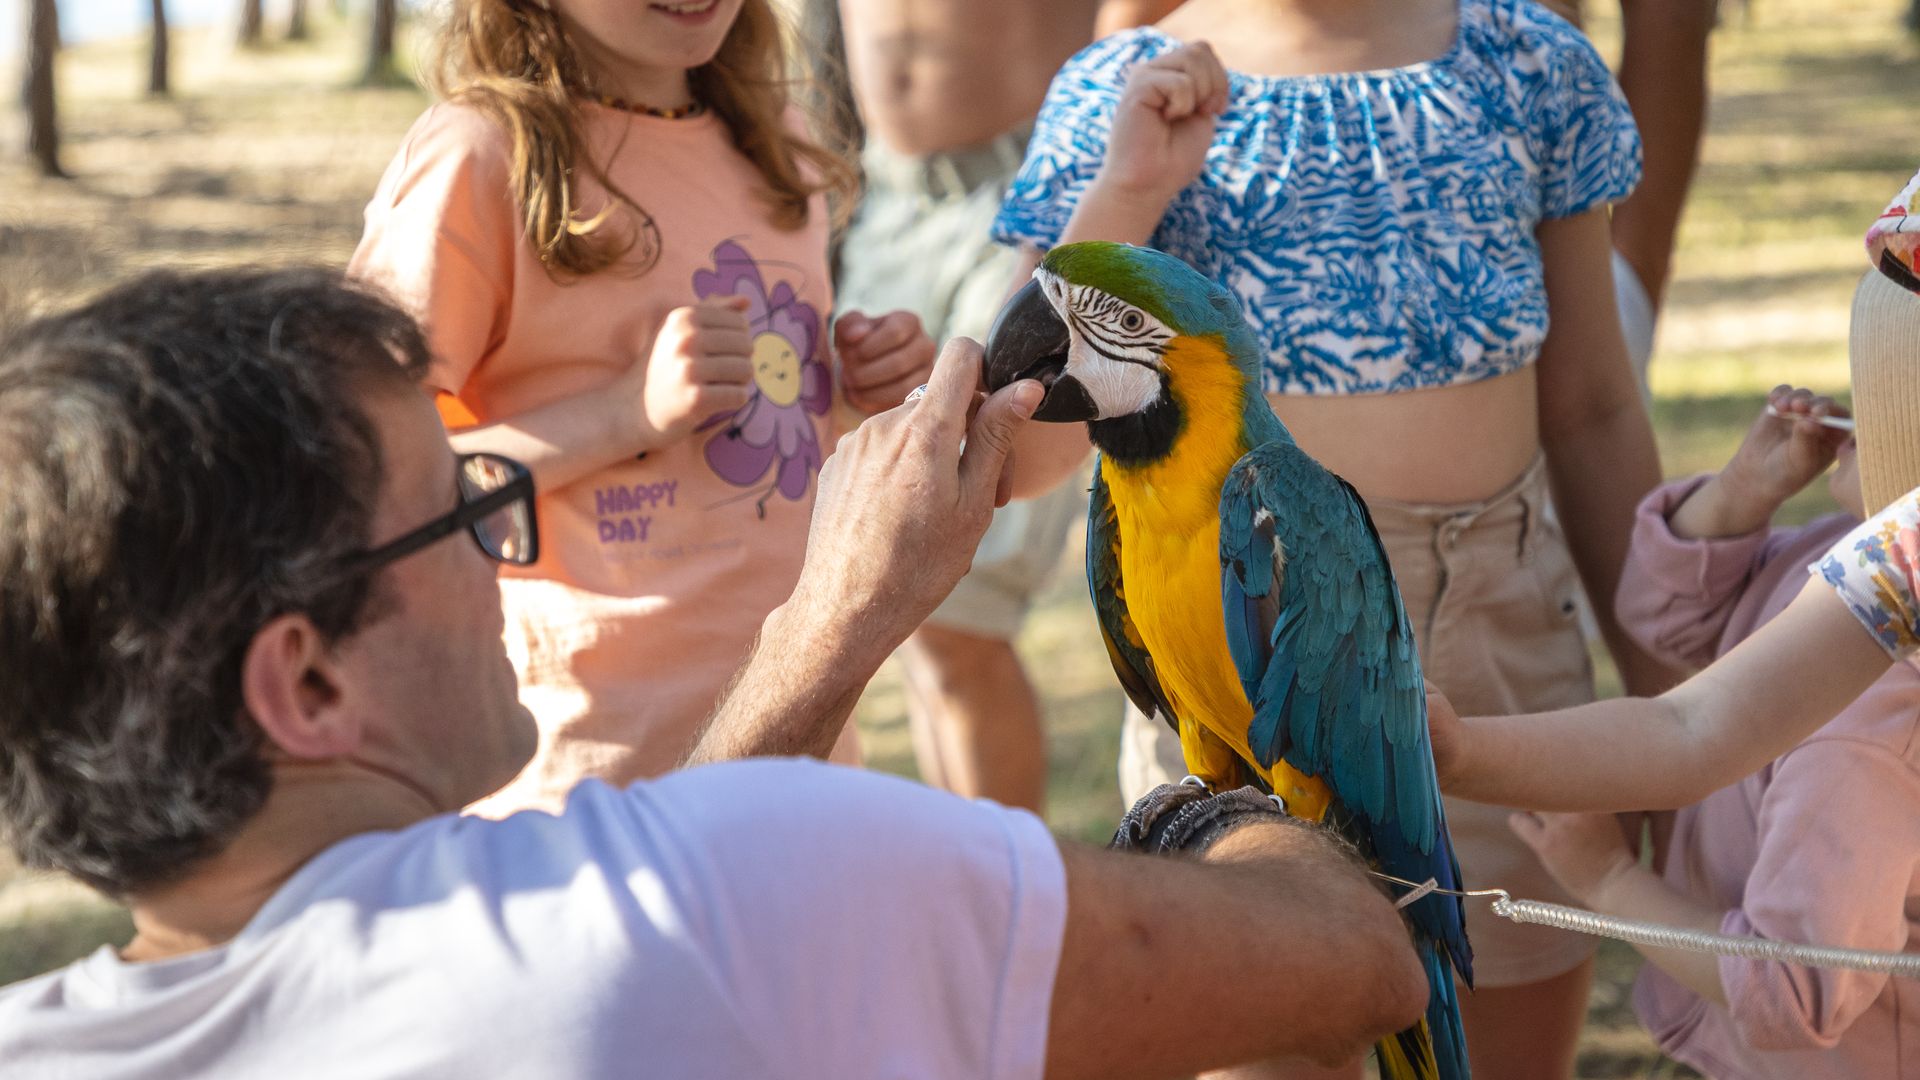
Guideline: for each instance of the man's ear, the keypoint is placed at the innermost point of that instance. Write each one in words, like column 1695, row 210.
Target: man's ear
column 295, row 690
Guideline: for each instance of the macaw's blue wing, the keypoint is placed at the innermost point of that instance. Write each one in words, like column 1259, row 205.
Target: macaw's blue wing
column 1327, row 660
column 1125, row 648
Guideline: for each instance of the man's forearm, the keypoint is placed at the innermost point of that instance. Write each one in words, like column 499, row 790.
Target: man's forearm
column 898, row 513
column 1273, row 944
column 792, row 696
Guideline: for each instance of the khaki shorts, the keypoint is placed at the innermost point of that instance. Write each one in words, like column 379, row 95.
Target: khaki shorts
column 1494, row 601
column 921, row 243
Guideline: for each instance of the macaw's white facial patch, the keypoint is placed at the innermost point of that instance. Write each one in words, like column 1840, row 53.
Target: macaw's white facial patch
column 1116, row 347
column 1117, row 387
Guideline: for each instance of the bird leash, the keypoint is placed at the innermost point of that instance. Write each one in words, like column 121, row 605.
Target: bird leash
column 1659, row 935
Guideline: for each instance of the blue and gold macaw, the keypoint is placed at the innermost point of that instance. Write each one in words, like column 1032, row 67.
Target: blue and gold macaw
column 1242, row 591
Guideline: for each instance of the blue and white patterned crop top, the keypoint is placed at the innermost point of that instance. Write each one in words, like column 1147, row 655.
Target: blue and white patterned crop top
column 1377, row 227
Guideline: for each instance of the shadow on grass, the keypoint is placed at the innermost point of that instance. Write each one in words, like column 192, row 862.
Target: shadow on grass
column 1763, row 289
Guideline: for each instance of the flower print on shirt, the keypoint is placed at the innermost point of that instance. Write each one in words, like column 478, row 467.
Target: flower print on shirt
column 1876, row 571
column 774, row 430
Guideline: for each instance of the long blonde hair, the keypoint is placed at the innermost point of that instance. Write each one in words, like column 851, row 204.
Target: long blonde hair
column 511, row 59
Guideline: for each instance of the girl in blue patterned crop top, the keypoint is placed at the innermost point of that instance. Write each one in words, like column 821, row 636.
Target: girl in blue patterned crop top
column 1409, row 198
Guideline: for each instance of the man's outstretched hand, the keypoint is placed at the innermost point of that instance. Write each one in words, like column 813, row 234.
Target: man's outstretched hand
column 902, row 504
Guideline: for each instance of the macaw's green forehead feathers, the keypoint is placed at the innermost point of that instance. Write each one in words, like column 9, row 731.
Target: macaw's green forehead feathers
column 1153, row 281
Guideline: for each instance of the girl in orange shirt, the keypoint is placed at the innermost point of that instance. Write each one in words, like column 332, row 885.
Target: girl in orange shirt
column 614, row 228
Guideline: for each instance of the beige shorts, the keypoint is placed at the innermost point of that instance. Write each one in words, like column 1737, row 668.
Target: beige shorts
column 1493, row 597
column 921, row 243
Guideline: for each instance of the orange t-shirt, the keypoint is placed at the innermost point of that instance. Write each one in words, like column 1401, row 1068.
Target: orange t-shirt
column 654, row 574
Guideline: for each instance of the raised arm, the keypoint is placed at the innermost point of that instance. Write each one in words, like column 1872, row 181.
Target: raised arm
column 1162, row 127
column 901, row 508
column 1750, row 706
column 1272, row 945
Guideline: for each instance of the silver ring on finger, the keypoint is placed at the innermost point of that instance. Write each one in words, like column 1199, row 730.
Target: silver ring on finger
column 916, row 394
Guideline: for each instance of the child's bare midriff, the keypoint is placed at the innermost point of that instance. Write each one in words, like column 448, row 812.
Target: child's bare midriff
column 1451, row 444
column 1445, row 445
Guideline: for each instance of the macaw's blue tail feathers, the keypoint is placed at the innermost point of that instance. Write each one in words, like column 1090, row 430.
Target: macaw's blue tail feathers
column 1443, row 1014
column 1438, row 917
column 1436, row 1047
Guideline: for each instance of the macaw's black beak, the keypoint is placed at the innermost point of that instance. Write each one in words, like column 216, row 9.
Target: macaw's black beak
column 1030, row 341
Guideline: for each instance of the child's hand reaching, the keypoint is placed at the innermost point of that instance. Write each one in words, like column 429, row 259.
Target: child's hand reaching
column 881, row 359
column 1447, row 734
column 701, row 364
column 1164, row 124
column 1585, row 853
column 1780, row 455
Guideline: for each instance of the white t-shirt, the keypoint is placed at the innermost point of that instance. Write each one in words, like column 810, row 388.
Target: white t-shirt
column 769, row 918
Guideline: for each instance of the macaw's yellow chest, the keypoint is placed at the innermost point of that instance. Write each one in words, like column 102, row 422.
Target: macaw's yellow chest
column 1167, row 517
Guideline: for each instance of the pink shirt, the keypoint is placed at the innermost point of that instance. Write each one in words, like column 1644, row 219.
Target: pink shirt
column 655, row 574
column 1821, row 846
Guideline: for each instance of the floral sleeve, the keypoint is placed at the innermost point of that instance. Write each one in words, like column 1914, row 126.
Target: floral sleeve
column 1876, row 570
column 1894, row 238
column 1589, row 146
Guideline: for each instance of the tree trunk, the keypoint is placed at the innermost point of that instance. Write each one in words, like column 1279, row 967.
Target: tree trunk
column 252, row 23
column 380, row 43
column 157, row 72
column 297, row 20
column 43, row 44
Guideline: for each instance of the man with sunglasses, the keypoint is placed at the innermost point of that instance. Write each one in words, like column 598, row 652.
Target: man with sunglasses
column 251, row 667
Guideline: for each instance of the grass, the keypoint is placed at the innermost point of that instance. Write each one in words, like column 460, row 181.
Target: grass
column 270, row 155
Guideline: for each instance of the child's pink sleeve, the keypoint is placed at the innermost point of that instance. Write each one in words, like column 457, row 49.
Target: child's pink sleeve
column 1839, row 843
column 1677, row 595
column 441, row 235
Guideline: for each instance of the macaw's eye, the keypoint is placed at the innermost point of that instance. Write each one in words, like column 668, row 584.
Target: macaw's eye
column 1132, row 321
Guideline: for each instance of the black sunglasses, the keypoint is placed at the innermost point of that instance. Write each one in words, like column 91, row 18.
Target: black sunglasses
column 495, row 504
